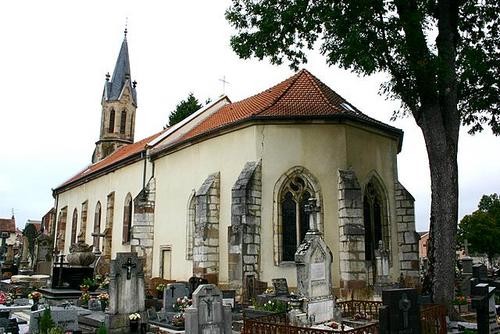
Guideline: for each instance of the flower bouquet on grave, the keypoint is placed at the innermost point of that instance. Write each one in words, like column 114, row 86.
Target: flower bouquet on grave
column 134, row 321
column 91, row 283
column 178, row 320
column 181, row 304
column 84, row 299
column 104, row 299
column 35, row 295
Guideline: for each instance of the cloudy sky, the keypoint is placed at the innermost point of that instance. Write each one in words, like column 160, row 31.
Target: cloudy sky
column 54, row 57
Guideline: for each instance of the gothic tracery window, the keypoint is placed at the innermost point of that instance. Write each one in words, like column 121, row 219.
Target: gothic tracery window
column 294, row 220
column 375, row 222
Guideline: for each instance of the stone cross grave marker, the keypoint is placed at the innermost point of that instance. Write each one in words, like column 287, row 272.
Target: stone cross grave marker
column 171, row 293
column 126, row 281
column 66, row 318
column 400, row 313
column 208, row 314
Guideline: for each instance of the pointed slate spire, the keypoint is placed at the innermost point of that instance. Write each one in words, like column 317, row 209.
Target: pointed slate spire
column 121, row 75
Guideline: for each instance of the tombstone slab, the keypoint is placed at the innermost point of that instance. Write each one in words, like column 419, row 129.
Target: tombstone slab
column 66, row 318
column 400, row 313
column 170, row 294
column 208, row 314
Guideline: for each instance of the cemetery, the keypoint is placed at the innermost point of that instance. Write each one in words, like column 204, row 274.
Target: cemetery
column 77, row 297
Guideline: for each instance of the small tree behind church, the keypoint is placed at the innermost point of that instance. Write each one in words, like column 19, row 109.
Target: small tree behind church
column 184, row 109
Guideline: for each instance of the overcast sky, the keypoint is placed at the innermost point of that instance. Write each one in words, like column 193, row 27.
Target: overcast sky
column 54, row 57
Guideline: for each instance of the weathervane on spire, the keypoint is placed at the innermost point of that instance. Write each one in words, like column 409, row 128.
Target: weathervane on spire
column 126, row 25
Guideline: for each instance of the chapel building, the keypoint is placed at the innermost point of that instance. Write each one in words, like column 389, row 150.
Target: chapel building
column 222, row 194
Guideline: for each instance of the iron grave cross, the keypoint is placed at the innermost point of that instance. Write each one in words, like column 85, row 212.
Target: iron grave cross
column 129, row 265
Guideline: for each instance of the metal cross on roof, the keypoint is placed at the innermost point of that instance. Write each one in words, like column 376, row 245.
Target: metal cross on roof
column 224, row 82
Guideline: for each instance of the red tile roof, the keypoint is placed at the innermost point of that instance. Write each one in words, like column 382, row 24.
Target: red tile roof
column 300, row 96
column 119, row 155
column 7, row 225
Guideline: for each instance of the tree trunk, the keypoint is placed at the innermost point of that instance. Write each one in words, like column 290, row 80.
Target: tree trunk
column 441, row 138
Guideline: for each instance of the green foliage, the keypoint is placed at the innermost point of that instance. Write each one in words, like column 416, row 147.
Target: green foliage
column 396, row 37
column 90, row 282
column 273, row 305
column 56, row 330
column 481, row 229
column 45, row 322
column 102, row 330
column 184, row 109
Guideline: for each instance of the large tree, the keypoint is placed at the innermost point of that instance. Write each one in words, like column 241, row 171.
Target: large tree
column 442, row 59
column 481, row 229
column 184, row 109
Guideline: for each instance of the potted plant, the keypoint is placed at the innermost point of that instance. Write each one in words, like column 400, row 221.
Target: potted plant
column 159, row 289
column 460, row 303
column 35, row 296
column 104, row 299
column 91, row 283
column 84, row 299
column 134, row 319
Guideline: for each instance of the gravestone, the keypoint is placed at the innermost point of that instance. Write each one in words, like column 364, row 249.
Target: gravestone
column 280, row 286
column 483, row 301
column 194, row 282
column 400, row 313
column 66, row 318
column 382, row 279
column 171, row 293
column 208, row 315
column 314, row 280
column 480, row 272
column 126, row 291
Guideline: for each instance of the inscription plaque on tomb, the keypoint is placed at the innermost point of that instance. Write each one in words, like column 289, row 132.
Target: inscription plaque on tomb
column 318, row 271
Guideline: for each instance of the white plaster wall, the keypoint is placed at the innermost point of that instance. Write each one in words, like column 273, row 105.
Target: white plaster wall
column 181, row 172
column 122, row 181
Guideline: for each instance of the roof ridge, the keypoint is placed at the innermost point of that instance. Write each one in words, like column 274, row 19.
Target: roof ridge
column 292, row 82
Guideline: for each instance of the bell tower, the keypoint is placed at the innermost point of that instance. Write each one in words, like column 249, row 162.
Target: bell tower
column 119, row 102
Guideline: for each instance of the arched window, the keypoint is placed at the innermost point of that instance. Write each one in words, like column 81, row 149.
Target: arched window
column 127, row 219
column 74, row 223
column 290, row 221
column 191, row 216
column 375, row 222
column 123, row 121
column 111, row 127
column 294, row 219
column 97, row 226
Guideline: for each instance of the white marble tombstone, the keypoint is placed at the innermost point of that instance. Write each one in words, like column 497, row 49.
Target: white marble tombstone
column 208, row 314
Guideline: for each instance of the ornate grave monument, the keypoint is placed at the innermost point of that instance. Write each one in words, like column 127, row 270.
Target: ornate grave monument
column 314, row 280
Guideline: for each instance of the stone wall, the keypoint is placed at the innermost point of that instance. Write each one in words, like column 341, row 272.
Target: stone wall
column 142, row 231
column 244, row 232
column 351, row 231
column 407, row 237
column 206, row 234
